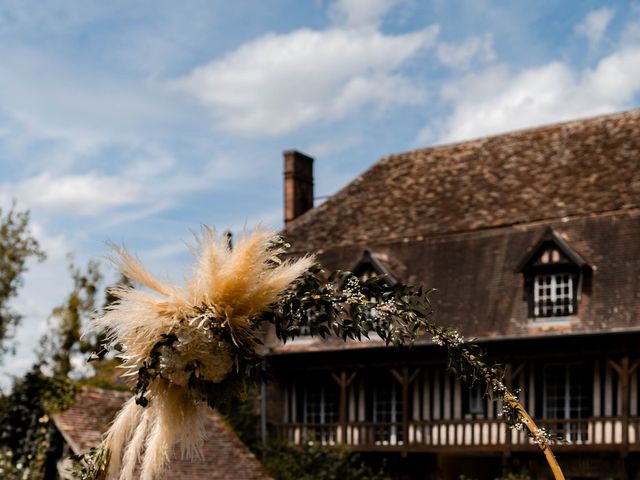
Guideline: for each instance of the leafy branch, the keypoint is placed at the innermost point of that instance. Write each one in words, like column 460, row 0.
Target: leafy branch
column 343, row 306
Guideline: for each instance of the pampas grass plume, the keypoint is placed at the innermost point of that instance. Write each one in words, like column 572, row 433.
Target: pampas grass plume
column 234, row 286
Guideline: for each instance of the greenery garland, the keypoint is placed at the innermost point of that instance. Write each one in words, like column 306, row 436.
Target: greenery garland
column 343, row 306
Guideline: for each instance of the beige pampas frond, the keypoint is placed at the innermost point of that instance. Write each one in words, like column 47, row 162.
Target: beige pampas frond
column 187, row 345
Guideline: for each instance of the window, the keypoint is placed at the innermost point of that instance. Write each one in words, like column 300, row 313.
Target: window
column 387, row 413
column 320, row 413
column 567, row 396
column 554, row 276
column 553, row 295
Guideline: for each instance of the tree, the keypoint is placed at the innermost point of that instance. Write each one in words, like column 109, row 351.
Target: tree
column 17, row 246
column 67, row 320
column 30, row 444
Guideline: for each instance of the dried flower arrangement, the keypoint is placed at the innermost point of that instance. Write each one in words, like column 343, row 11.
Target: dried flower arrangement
column 193, row 347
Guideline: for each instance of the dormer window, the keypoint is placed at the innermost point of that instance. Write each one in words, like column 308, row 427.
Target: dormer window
column 553, row 295
column 370, row 266
column 554, row 275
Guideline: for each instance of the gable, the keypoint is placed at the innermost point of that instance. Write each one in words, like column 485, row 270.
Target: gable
column 551, row 250
column 369, row 265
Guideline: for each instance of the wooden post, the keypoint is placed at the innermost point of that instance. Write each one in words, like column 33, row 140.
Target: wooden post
column 343, row 382
column 506, row 455
column 405, row 379
column 624, row 372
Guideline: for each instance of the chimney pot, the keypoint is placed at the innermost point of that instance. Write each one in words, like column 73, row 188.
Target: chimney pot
column 298, row 184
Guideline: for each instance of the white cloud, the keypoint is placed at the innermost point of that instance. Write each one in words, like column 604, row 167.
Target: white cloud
column 498, row 100
column 332, row 145
column 361, row 13
column 595, row 25
column 459, row 55
column 279, row 83
column 79, row 194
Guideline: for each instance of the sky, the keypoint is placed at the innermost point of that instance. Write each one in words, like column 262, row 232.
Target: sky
column 137, row 122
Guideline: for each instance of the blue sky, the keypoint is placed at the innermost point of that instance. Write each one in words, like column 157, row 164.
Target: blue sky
column 135, row 122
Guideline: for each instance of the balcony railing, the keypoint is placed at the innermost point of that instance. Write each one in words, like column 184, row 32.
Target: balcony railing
column 485, row 434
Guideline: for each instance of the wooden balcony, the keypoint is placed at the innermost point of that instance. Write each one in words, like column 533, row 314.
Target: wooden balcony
column 484, row 435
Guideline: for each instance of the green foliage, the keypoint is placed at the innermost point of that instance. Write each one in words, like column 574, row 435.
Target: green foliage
column 106, row 375
column 17, row 246
column 350, row 308
column 27, row 431
column 523, row 474
column 8, row 470
column 242, row 415
column 68, row 320
column 316, row 462
column 341, row 306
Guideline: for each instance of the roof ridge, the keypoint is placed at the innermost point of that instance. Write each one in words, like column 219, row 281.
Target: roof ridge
column 519, row 131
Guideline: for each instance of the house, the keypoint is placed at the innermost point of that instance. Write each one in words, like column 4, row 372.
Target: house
column 532, row 239
column 85, row 421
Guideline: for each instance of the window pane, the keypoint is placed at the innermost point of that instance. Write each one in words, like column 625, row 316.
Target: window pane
column 553, row 295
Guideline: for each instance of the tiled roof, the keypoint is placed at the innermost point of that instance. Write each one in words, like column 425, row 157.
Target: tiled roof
column 479, row 286
column 462, row 218
column 226, row 458
column 565, row 170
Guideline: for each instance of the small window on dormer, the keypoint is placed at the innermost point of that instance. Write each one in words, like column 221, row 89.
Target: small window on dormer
column 554, row 276
column 553, row 295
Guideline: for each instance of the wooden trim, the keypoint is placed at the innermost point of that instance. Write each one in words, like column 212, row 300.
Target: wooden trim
column 597, row 389
column 624, row 387
column 457, row 399
column 446, row 398
column 531, row 407
column 437, row 403
column 343, row 382
column 633, row 391
column 608, row 391
column 426, row 396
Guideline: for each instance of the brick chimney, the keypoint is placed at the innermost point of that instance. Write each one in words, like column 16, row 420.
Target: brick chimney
column 298, row 184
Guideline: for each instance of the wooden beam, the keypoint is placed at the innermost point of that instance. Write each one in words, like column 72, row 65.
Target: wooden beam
column 343, row 380
column 616, row 367
column 446, row 397
column 608, row 391
column 405, row 409
column 517, row 371
column 624, row 381
column 405, row 379
column 437, row 404
column 508, row 381
column 531, row 407
column 597, row 389
column 426, row 396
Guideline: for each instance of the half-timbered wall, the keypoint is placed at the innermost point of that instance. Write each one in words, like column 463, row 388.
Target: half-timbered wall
column 586, row 402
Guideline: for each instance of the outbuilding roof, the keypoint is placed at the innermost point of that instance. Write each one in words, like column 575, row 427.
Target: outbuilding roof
column 225, row 456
